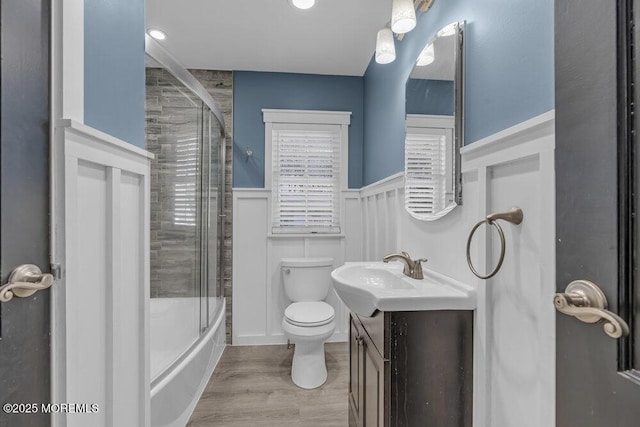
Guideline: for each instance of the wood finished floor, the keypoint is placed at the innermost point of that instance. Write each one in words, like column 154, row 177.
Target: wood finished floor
column 252, row 386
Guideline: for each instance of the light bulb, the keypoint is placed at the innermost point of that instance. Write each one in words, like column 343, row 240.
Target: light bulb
column 427, row 56
column 449, row 30
column 403, row 16
column 157, row 34
column 303, row 4
column 385, row 47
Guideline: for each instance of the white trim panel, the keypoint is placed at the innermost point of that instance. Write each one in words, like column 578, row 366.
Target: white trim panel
column 517, row 322
column 307, row 116
column 514, row 348
column 429, row 121
column 258, row 295
column 100, row 307
column 67, row 59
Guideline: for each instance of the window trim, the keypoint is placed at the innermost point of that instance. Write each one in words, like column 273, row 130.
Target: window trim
column 306, row 117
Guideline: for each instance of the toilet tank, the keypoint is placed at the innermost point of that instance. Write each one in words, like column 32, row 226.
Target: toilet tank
column 306, row 279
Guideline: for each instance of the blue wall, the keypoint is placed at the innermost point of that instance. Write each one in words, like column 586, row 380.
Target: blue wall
column 114, row 68
column 509, row 75
column 253, row 91
column 430, row 97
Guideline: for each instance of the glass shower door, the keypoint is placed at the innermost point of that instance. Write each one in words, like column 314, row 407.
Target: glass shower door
column 216, row 276
column 174, row 135
column 213, row 204
column 187, row 202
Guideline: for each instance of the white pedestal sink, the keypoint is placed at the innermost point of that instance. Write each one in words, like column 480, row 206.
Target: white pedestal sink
column 369, row 286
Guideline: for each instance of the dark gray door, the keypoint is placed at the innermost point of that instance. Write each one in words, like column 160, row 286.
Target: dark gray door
column 24, row 203
column 597, row 384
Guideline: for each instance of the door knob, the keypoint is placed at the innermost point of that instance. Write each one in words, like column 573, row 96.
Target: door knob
column 585, row 301
column 24, row 281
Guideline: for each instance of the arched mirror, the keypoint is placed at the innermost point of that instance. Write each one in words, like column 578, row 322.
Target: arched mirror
column 434, row 126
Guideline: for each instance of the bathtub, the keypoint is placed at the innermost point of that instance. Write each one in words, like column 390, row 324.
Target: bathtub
column 181, row 361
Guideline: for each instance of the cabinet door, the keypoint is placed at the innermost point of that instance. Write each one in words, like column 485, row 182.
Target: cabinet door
column 374, row 385
column 356, row 373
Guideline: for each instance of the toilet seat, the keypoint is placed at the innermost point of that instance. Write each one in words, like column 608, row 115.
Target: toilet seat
column 309, row 313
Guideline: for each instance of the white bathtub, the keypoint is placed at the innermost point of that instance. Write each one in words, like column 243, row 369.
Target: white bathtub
column 181, row 362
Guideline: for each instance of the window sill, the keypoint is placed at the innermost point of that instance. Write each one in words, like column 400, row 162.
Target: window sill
column 305, row 235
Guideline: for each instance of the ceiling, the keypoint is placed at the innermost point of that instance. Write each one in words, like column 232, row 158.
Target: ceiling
column 335, row 37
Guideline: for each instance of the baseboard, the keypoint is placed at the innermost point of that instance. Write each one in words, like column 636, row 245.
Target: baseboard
column 280, row 339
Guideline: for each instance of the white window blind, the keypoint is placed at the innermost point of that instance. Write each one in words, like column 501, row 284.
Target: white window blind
column 306, row 178
column 428, row 189
column 185, row 182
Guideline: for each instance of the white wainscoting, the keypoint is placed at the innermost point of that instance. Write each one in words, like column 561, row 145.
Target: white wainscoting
column 100, row 305
column 514, row 360
column 515, row 321
column 258, row 295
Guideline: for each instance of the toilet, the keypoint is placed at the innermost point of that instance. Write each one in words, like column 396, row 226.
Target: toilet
column 308, row 321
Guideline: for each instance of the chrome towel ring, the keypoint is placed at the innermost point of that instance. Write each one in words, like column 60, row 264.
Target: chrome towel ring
column 514, row 216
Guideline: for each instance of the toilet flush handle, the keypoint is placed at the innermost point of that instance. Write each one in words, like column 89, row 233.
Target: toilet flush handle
column 286, row 270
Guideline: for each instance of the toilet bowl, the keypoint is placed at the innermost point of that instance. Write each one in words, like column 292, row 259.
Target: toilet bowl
column 308, row 369
column 308, row 321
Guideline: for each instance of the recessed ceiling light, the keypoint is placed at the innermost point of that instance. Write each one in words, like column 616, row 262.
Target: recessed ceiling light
column 303, row 4
column 157, row 34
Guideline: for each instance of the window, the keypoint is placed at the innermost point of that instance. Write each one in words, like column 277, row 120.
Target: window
column 429, row 167
column 307, row 152
column 184, row 185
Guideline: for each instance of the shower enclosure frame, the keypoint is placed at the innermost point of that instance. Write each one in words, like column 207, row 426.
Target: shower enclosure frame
column 157, row 52
column 199, row 359
column 160, row 55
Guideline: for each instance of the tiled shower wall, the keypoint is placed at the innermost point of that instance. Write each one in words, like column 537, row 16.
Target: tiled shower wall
column 175, row 252
column 220, row 85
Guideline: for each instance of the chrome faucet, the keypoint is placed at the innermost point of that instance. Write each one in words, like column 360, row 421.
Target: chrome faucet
column 412, row 268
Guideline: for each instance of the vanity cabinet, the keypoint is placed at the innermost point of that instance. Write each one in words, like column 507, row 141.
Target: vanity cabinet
column 367, row 378
column 411, row 369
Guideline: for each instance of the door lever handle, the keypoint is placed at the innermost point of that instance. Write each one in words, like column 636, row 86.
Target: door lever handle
column 24, row 281
column 585, row 301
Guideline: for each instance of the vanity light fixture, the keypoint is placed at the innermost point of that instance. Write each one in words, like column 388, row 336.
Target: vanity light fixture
column 424, row 5
column 427, row 56
column 303, row 4
column 403, row 20
column 403, row 16
column 157, row 34
column 385, row 47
